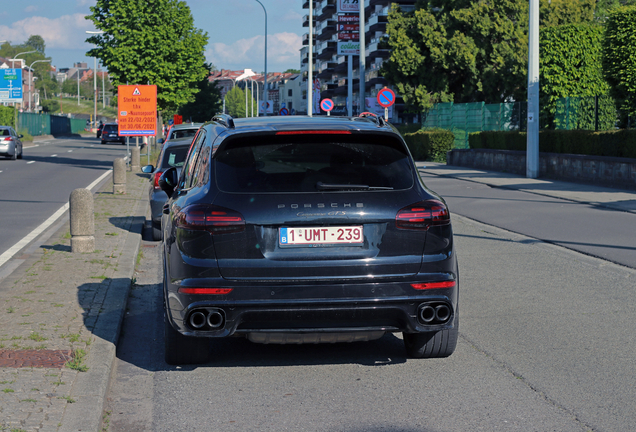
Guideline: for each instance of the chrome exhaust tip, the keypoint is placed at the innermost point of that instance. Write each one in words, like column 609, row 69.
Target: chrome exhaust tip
column 197, row 319
column 216, row 319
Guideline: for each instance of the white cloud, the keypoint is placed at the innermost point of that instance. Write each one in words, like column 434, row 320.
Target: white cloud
column 282, row 53
column 67, row 31
column 31, row 8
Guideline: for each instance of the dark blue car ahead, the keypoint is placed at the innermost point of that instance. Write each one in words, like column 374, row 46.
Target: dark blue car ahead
column 305, row 230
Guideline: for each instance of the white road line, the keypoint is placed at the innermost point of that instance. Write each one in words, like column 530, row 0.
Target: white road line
column 53, row 155
column 70, row 151
column 37, row 145
column 6, row 256
column 30, row 162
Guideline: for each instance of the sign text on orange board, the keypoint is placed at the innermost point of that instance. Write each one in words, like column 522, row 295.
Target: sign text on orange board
column 137, row 110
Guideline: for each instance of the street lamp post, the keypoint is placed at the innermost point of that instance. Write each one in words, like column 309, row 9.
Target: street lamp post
column 31, row 82
column 265, row 81
column 95, row 78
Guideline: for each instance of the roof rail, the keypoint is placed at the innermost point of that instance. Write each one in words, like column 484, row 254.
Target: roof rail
column 373, row 117
column 224, row 119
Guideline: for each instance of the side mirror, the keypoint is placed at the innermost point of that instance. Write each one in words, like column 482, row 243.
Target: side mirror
column 148, row 169
column 20, row 136
column 168, row 181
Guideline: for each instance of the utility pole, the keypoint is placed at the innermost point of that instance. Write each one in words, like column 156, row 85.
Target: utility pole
column 532, row 149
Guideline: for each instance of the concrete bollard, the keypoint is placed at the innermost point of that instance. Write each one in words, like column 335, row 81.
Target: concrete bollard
column 134, row 159
column 119, row 176
column 82, row 216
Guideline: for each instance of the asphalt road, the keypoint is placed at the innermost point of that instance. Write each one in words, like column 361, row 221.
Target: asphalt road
column 589, row 229
column 546, row 344
column 34, row 188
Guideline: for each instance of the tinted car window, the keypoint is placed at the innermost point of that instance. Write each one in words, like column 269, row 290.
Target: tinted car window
column 183, row 133
column 110, row 128
column 175, row 156
column 188, row 171
column 298, row 165
column 5, row 132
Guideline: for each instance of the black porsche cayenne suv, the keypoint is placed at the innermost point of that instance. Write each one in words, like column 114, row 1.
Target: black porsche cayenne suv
column 305, row 230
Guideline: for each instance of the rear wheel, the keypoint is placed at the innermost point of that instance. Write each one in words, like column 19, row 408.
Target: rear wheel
column 20, row 155
column 14, row 156
column 180, row 349
column 431, row 344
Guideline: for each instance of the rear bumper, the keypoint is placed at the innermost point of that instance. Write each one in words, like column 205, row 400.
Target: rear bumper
column 7, row 149
column 345, row 308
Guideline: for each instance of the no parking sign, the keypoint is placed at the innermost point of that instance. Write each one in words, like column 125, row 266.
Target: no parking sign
column 327, row 105
column 386, row 98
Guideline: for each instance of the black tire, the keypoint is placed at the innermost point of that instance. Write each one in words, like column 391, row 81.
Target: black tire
column 181, row 350
column 156, row 233
column 431, row 345
column 103, row 142
column 20, row 155
column 15, row 155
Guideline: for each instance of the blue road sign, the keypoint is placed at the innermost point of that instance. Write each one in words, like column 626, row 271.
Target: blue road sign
column 386, row 97
column 11, row 85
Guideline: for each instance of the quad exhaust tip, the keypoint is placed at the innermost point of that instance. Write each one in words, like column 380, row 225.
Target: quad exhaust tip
column 433, row 313
column 207, row 319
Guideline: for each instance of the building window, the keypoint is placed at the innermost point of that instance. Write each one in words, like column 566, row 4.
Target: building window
column 290, row 92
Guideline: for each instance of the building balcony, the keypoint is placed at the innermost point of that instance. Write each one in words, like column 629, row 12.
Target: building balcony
column 306, row 21
column 306, row 39
column 306, row 4
column 327, row 51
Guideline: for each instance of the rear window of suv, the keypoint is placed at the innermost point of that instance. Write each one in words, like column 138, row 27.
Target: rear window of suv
column 183, row 133
column 313, row 163
column 110, row 128
column 174, row 156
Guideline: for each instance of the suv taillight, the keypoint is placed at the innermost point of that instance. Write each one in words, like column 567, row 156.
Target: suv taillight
column 156, row 180
column 422, row 215
column 211, row 218
column 8, row 138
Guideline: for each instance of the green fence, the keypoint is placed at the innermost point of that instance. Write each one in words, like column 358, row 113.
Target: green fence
column 462, row 119
column 586, row 113
column 46, row 124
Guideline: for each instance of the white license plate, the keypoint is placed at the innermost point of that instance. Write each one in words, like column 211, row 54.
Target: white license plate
column 351, row 235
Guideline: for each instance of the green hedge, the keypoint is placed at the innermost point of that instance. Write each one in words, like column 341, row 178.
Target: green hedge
column 7, row 116
column 617, row 143
column 430, row 144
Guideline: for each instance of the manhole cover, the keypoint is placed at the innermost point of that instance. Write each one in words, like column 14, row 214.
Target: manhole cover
column 35, row 358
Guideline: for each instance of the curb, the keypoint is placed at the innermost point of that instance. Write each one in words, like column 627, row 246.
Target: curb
column 90, row 388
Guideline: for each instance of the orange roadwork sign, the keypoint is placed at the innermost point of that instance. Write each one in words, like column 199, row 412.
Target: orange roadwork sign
column 137, row 110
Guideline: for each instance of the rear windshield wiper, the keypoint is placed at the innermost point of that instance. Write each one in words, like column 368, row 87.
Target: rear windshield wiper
column 329, row 186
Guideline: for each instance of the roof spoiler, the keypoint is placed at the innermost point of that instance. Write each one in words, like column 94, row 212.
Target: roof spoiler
column 373, row 117
column 224, row 119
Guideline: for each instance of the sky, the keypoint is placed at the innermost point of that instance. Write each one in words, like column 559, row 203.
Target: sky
column 236, row 30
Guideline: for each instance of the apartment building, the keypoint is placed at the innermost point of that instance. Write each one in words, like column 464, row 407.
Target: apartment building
column 331, row 69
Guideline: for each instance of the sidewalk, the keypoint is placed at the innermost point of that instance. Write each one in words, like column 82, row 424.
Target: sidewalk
column 616, row 199
column 60, row 314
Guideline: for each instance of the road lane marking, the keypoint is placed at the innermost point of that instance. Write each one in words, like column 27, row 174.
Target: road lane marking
column 53, row 155
column 70, row 151
column 30, row 162
column 7, row 255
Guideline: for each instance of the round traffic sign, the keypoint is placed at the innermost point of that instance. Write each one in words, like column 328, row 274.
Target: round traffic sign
column 386, row 97
column 284, row 111
column 326, row 105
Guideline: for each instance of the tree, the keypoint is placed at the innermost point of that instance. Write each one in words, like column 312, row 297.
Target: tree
column 235, row 102
column 151, row 41
column 618, row 56
column 467, row 51
column 295, row 71
column 37, row 43
column 571, row 57
column 206, row 104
